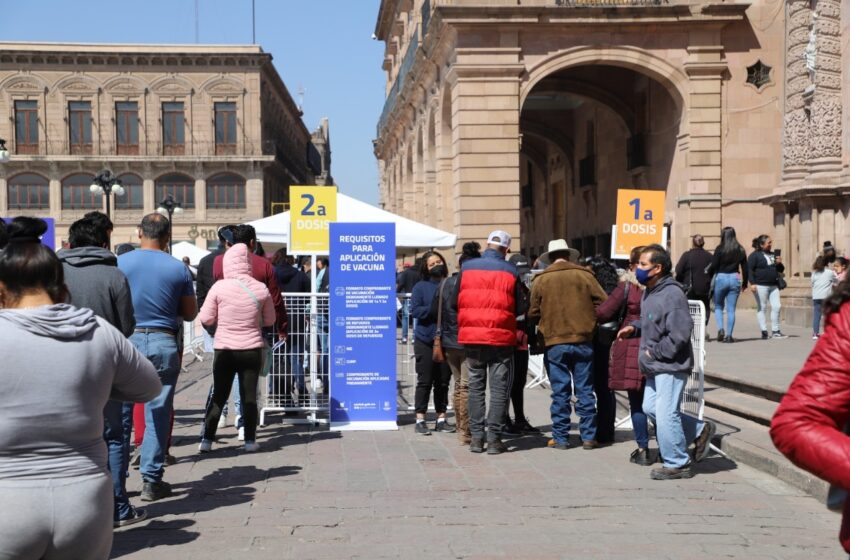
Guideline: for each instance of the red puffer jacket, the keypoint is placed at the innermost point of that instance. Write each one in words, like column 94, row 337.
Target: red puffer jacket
column 623, row 372
column 488, row 301
column 808, row 425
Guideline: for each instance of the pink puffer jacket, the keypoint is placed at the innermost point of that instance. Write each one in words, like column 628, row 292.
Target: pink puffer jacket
column 231, row 308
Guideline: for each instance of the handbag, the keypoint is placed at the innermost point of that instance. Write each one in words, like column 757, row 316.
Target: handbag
column 266, row 362
column 781, row 283
column 607, row 332
column 437, row 354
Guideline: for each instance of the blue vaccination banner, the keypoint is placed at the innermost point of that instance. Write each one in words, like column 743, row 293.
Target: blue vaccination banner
column 362, row 326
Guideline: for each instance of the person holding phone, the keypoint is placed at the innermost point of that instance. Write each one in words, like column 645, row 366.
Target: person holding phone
column 765, row 268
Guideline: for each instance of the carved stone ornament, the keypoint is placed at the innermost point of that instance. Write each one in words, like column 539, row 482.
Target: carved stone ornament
column 23, row 85
column 77, row 86
column 826, row 108
column 795, row 133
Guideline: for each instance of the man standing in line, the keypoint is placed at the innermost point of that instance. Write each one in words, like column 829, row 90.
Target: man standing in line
column 666, row 359
column 94, row 281
column 488, row 301
column 163, row 295
column 564, row 299
column 690, row 272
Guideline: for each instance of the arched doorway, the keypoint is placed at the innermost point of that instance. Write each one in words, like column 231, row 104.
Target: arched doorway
column 587, row 131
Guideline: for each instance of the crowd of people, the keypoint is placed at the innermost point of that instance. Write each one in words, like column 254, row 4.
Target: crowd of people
column 84, row 322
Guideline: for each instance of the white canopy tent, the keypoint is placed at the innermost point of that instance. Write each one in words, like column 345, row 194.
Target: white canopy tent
column 409, row 234
column 186, row 249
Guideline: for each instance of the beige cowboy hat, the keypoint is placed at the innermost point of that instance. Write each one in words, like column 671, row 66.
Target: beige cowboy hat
column 558, row 248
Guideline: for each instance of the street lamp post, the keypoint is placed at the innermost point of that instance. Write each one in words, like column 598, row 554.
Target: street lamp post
column 4, row 153
column 169, row 206
column 106, row 183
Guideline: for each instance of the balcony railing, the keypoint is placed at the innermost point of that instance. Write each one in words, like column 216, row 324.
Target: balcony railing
column 149, row 149
column 406, row 64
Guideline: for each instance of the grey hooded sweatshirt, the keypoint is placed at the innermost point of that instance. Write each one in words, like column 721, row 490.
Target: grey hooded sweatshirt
column 61, row 365
column 665, row 329
column 95, row 282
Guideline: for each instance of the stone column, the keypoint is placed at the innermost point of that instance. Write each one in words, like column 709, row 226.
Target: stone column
column 485, row 142
column 705, row 68
column 795, row 132
column 825, row 153
column 418, row 211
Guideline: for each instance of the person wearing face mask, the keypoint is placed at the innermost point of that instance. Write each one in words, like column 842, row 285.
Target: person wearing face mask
column 666, row 359
column 429, row 374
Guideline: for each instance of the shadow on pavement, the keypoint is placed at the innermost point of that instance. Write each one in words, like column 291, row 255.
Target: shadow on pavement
column 153, row 534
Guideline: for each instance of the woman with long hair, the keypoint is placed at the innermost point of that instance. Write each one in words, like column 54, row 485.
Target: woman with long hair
column 606, row 274
column 766, row 268
column 430, row 375
column 810, row 425
column 729, row 267
column 623, row 306
column 61, row 366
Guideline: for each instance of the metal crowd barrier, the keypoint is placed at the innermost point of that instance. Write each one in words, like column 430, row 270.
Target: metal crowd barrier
column 193, row 341
column 298, row 380
column 693, row 402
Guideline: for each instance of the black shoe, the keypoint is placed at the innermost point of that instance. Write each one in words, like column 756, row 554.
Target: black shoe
column 525, row 427
column 137, row 515
column 170, row 459
column 764, row 335
column 720, row 335
column 444, row 427
column 640, row 457
column 153, row 491
column 422, row 428
column 496, row 447
column 665, row 473
column 778, row 335
column 476, row 446
column 729, row 339
column 511, row 429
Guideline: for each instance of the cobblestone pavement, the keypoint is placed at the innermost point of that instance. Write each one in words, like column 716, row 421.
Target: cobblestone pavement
column 311, row 493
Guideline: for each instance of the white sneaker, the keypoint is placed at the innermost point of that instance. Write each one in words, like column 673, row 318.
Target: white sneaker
column 205, row 446
column 251, row 446
column 241, row 436
column 222, row 421
column 236, row 421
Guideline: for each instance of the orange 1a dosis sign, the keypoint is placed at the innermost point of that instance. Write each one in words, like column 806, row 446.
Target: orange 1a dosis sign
column 640, row 221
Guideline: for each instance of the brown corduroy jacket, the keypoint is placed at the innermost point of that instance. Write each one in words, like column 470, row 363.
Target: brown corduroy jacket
column 563, row 300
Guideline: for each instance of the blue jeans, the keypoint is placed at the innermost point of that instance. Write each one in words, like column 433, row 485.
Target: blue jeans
column 405, row 317
column 161, row 350
column 674, row 430
column 638, row 418
column 117, row 425
column 727, row 287
column 817, row 311
column 572, row 362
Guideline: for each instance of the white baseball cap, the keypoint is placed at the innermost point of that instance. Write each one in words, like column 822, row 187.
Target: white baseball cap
column 500, row 238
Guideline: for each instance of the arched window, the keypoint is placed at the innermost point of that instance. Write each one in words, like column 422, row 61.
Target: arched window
column 181, row 187
column 77, row 195
column 29, row 191
column 226, row 191
column 133, row 198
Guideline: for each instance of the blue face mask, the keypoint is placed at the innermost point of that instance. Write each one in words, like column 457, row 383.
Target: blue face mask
column 643, row 276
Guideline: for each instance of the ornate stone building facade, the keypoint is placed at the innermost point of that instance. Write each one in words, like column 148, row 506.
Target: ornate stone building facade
column 530, row 114
column 213, row 126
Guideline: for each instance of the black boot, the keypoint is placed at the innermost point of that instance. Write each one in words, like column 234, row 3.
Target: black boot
column 720, row 335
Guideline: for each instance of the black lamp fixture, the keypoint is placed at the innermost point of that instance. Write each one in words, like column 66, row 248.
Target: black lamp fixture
column 4, row 153
column 168, row 206
column 106, row 183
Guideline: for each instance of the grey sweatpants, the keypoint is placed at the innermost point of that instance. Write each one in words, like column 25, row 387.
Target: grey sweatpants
column 496, row 365
column 60, row 518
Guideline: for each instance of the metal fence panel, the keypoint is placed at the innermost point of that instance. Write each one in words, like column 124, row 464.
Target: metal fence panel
column 693, row 402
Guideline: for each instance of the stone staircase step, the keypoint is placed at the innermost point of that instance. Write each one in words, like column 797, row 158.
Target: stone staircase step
column 749, row 443
column 753, row 408
column 764, row 390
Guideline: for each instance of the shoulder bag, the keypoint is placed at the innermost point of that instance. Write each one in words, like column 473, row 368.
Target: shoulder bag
column 608, row 331
column 266, row 363
column 437, row 353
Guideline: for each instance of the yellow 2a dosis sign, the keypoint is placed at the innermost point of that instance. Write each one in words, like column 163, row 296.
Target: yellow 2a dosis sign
column 311, row 210
column 640, row 221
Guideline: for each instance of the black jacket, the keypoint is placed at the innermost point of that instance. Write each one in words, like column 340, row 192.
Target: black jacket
column 204, row 278
column 448, row 326
column 763, row 269
column 291, row 280
column 406, row 279
column 690, row 271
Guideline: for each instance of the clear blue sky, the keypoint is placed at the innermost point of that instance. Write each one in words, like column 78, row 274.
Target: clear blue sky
column 324, row 46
